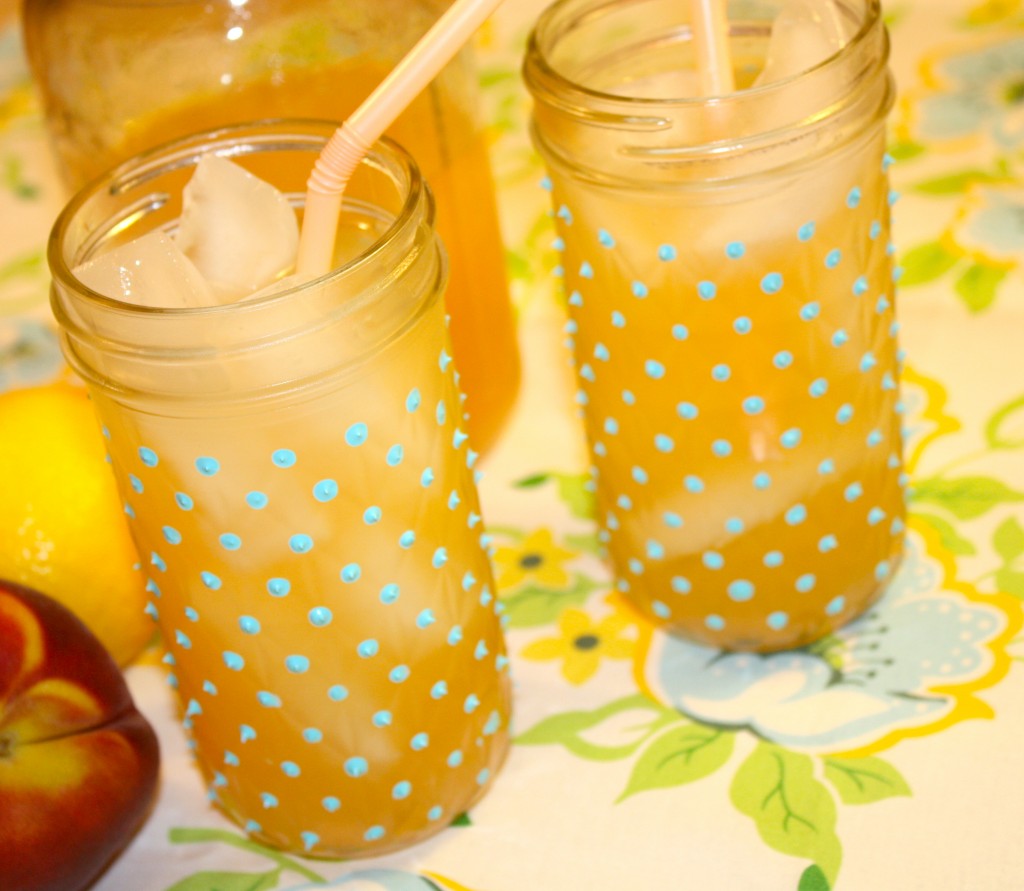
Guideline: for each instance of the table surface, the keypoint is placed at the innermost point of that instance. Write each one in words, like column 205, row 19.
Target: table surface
column 906, row 769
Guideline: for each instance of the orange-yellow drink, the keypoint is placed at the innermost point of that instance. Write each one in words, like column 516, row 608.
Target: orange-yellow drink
column 731, row 316
column 299, row 481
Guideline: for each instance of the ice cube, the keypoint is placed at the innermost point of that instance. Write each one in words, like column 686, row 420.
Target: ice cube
column 149, row 271
column 239, row 231
column 804, row 34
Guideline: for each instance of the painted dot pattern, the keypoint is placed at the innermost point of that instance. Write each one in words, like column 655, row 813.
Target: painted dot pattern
column 753, row 385
column 313, row 557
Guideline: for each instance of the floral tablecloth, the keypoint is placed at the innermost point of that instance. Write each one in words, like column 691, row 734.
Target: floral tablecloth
column 889, row 756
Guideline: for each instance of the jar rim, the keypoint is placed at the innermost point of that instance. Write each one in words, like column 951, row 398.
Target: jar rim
column 540, row 74
column 224, row 141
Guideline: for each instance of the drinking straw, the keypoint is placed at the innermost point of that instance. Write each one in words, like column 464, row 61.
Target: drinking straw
column 350, row 142
column 711, row 32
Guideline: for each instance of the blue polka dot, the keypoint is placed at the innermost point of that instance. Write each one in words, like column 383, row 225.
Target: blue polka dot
column 735, row 249
column 471, row 704
column 771, row 283
column 356, row 434
column 439, row 690
column 427, row 477
column 810, row 311
column 337, row 693
column 693, row 484
column 389, row 593
column 853, row 491
column 331, row 804
column 819, row 387
column 191, row 614
column 772, row 559
column 283, row 458
column 368, row 649
column 233, row 660
column 639, row 290
column 183, row 501
column 256, row 500
column 734, row 525
column 618, row 319
column 853, row 197
column 836, row 606
column 882, row 570
column 325, row 490
column 351, row 573
column 681, row 585
column 290, row 769
column 148, row 457
column 687, row 411
column 845, row 413
column 796, row 515
column 356, row 767
column 230, row 542
column 833, row 257
column 586, row 270
column 740, row 590
column 875, row 516
column 721, row 372
column 777, row 621
column 207, row 466
column 268, row 700
column 666, row 252
column 297, row 664
column 312, row 735
column 860, row 286
column 806, row 232
column 826, row 467
column 413, row 400
column 875, row 230
column 605, row 238
column 269, row 801
column 742, row 325
column 401, row 790
column 321, row 617
column 722, row 448
column 407, row 539
column 300, row 544
column 171, row 535
column 713, row 560
column 135, row 483
column 382, row 719
column 611, row 426
column 210, row 580
column 279, row 587
column 828, row 543
column 806, row 583
column 441, row 412
column 680, row 332
column 440, row 558
column 672, row 519
column 715, row 623
column 707, row 290
column 436, row 811
column 840, row 338
column 782, row 359
column 399, row 674
column 664, row 443
column 753, row 405
column 455, row 759
column 455, row 635
column 419, row 742
column 660, row 609
column 601, row 352
column 791, row 438
column 628, row 397
column 249, row 624
column 762, row 480
column 639, row 475
column 655, row 370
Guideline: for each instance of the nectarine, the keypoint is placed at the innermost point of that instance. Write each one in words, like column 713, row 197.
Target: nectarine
column 78, row 762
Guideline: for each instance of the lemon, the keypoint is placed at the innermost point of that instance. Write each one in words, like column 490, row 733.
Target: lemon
column 62, row 528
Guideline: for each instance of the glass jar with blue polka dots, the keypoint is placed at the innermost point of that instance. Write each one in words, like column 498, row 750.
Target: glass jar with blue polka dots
column 729, row 278
column 299, row 483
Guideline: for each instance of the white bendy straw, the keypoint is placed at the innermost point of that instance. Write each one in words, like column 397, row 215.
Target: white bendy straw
column 710, row 27
column 350, row 143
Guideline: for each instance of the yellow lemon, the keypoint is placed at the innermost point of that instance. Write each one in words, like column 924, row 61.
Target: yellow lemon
column 62, row 528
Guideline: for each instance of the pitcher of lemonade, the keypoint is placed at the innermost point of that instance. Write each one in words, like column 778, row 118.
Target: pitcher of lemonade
column 120, row 76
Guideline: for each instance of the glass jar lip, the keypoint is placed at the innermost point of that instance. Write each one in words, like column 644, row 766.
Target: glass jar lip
column 538, row 72
column 184, row 152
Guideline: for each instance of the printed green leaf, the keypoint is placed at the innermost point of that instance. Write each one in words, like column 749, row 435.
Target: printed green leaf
column 462, row 819
column 952, row 540
column 904, row 151
column 631, row 720
column 794, row 813
column 531, row 482
column 23, row 266
column 228, row 881
column 685, row 753
column 518, row 266
column 572, row 489
column 967, row 497
column 978, row 285
column 184, row 835
column 955, row 183
column 1009, row 540
column 586, row 543
column 864, row 780
column 532, row 606
column 1009, row 416
column 813, row 879
column 926, row 263
column 1011, row 581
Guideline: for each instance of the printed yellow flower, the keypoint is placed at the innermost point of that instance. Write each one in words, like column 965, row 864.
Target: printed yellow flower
column 583, row 643
column 537, row 558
